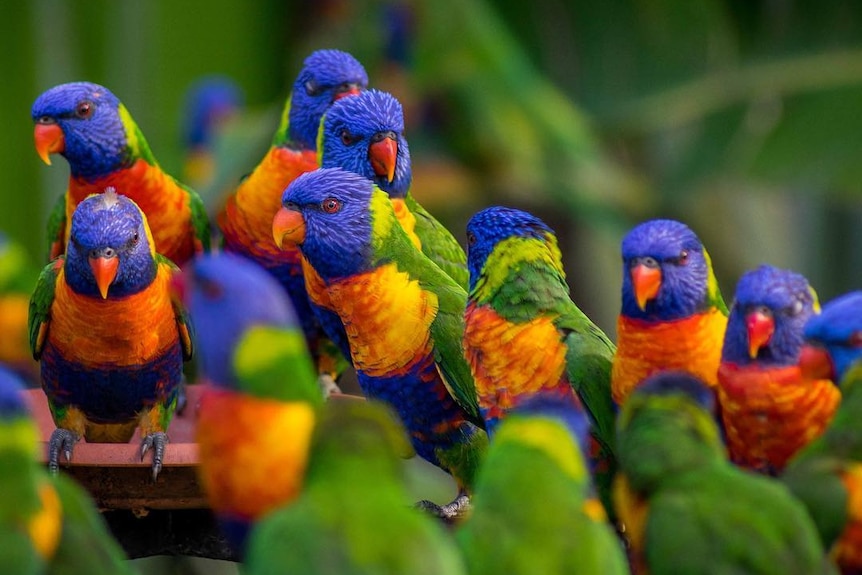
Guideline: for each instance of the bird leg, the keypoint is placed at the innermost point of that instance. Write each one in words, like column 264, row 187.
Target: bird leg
column 61, row 440
column 156, row 441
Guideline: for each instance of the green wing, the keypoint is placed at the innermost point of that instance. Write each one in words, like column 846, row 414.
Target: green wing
column 184, row 324
column 200, row 220
column 39, row 319
column 86, row 545
column 439, row 244
column 56, row 228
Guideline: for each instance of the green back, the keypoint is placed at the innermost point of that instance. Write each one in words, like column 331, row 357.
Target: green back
column 439, row 244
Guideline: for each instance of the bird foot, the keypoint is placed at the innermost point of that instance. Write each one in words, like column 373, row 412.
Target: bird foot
column 62, row 440
column 327, row 385
column 450, row 512
column 157, row 442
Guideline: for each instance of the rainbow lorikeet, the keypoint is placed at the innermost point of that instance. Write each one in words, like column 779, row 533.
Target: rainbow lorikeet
column 94, row 131
column 256, row 415
column 47, row 526
column 17, row 277
column 523, row 333
column 110, row 339
column 403, row 315
column 532, row 508
column 769, row 410
column 827, row 474
column 246, row 221
column 210, row 103
column 352, row 515
column 689, row 510
column 673, row 315
column 365, row 135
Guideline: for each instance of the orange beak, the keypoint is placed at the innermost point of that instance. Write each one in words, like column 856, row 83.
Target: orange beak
column 815, row 363
column 383, row 154
column 760, row 327
column 288, row 225
column 49, row 140
column 104, row 270
column 646, row 282
column 352, row 90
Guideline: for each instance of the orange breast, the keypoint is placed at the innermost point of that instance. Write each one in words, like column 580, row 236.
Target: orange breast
column 253, row 451
column 643, row 348
column 769, row 414
column 158, row 195
column 122, row 332
column 511, row 360
column 247, row 215
column 387, row 317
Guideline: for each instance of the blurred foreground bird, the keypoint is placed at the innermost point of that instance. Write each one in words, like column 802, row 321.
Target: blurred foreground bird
column 256, row 415
column 17, row 278
column 403, row 315
column 352, row 516
column 47, row 525
column 524, row 335
column 246, row 220
column 686, row 508
column 769, row 409
column 533, row 510
column 94, row 131
column 827, row 474
column 110, row 339
column 673, row 315
column 365, row 135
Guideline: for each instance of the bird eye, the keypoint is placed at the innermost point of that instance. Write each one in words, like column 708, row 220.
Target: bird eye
column 683, row 258
column 795, row 308
column 312, row 88
column 134, row 240
column 330, row 205
column 347, row 138
column 856, row 339
column 471, row 238
column 209, row 288
column 84, row 109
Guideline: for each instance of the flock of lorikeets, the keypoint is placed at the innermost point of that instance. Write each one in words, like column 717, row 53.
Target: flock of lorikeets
column 706, row 440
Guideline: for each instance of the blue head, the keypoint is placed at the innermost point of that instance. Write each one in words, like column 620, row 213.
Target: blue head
column 12, row 404
column 110, row 251
column 667, row 274
column 768, row 315
column 209, row 101
column 487, row 228
column 326, row 76
column 227, row 294
column 329, row 214
column 82, row 121
column 834, row 338
column 365, row 135
column 672, row 383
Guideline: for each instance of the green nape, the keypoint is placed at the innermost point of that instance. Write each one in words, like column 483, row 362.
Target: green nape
column 548, row 436
column 137, row 143
column 274, row 363
column 282, row 134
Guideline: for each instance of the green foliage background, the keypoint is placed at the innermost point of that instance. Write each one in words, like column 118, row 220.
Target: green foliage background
column 740, row 117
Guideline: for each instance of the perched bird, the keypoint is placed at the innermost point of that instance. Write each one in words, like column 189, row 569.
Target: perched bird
column 769, row 410
column 49, row 526
column 110, row 338
column 402, row 314
column 365, row 135
column 686, row 508
column 94, row 131
column 17, row 278
column 246, row 220
column 210, row 102
column 827, row 474
column 256, row 415
column 352, row 515
column 524, row 335
column 532, row 510
column 673, row 315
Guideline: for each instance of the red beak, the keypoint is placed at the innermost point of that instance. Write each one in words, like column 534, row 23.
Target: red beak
column 383, row 155
column 288, row 225
column 105, row 271
column 815, row 363
column 646, row 282
column 49, row 140
column 761, row 326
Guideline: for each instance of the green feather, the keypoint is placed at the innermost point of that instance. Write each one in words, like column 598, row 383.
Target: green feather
column 439, row 244
column 40, row 305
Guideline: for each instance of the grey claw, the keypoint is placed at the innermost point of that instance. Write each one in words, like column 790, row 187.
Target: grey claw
column 157, row 441
column 62, row 440
column 450, row 512
column 327, row 385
